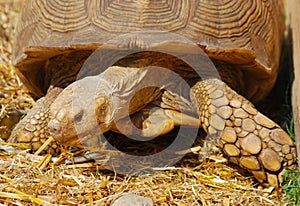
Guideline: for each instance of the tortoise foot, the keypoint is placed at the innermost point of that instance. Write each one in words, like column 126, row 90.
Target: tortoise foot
column 153, row 121
column 247, row 137
column 32, row 130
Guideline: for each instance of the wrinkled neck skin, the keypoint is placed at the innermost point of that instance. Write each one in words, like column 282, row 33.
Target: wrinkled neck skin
column 89, row 106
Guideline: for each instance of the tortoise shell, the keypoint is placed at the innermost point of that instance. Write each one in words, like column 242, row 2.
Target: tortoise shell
column 246, row 33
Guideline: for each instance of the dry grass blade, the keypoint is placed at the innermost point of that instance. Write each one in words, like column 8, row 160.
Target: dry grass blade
column 44, row 161
column 5, row 178
column 22, row 196
column 18, row 145
column 46, row 143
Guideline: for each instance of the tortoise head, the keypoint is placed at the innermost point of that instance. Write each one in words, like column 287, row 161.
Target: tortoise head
column 89, row 106
column 81, row 112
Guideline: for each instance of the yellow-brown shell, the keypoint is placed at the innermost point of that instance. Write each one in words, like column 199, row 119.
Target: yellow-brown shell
column 247, row 33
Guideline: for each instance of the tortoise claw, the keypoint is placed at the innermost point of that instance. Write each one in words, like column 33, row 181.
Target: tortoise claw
column 246, row 136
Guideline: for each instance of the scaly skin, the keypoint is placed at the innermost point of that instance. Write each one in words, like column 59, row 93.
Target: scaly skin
column 246, row 136
column 33, row 128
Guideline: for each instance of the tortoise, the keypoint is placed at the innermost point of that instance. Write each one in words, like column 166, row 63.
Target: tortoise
column 242, row 39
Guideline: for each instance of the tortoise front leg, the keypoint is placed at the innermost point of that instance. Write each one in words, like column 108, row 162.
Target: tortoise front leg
column 32, row 130
column 153, row 121
column 246, row 136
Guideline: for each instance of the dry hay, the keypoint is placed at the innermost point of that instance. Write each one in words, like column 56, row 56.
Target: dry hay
column 27, row 179
column 13, row 96
column 31, row 178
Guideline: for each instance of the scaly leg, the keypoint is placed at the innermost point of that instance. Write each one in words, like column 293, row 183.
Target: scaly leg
column 33, row 128
column 246, row 136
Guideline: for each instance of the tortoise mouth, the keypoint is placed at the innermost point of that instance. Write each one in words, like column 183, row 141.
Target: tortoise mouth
column 58, row 133
column 70, row 136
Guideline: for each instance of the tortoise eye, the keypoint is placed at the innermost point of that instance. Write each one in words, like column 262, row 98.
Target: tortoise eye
column 78, row 116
